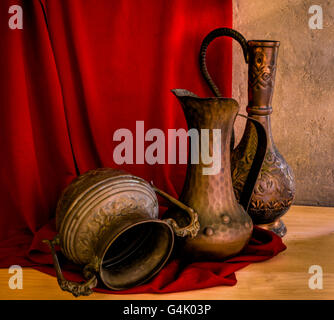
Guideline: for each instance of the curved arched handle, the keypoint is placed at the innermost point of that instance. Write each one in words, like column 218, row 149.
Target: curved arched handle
column 254, row 170
column 220, row 32
column 190, row 230
column 77, row 289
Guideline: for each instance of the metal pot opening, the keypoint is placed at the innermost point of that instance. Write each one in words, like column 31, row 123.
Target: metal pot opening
column 137, row 254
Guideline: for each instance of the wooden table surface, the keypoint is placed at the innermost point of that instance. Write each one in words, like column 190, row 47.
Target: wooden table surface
column 310, row 241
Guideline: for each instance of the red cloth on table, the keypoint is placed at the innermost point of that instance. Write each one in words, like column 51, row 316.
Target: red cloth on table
column 178, row 274
column 77, row 72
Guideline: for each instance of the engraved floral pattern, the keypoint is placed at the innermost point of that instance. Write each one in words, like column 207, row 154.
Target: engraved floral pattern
column 103, row 218
column 261, row 73
column 274, row 190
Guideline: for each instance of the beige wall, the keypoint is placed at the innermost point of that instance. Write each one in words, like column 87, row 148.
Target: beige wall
column 303, row 103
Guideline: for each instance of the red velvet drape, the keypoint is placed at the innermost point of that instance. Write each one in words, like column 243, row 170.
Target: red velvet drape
column 78, row 71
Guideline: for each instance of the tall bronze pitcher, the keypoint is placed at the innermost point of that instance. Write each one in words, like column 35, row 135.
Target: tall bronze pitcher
column 225, row 227
column 275, row 188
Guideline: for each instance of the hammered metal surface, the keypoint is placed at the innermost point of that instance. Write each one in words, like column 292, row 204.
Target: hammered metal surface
column 225, row 226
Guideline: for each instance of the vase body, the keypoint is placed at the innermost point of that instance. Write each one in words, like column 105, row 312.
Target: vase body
column 275, row 188
column 225, row 227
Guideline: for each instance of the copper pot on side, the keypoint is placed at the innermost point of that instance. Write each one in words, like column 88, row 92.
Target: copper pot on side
column 108, row 222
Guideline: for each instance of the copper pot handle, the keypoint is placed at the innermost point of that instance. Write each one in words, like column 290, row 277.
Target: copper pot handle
column 190, row 230
column 76, row 288
column 202, row 55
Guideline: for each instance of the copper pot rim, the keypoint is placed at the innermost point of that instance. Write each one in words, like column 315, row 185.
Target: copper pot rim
column 155, row 270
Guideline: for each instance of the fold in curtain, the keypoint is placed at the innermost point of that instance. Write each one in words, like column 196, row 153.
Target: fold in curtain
column 77, row 72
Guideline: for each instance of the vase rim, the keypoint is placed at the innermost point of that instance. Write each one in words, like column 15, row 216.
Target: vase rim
column 263, row 43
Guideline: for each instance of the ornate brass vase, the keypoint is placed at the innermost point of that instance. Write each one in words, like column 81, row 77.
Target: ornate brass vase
column 275, row 188
column 225, row 227
column 108, row 222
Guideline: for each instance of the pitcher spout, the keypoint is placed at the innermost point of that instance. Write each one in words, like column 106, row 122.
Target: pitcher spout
column 182, row 93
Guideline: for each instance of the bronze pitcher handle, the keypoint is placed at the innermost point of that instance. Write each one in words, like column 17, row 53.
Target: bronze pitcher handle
column 202, row 56
column 260, row 152
column 189, row 230
column 220, row 32
column 77, row 289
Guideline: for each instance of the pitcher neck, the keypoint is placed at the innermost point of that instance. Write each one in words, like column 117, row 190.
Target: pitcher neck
column 265, row 120
column 261, row 76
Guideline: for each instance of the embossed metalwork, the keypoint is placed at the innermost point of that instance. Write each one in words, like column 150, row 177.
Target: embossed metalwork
column 77, row 289
column 225, row 225
column 108, row 222
column 275, row 189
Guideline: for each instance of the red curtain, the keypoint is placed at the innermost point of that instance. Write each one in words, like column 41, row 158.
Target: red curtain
column 78, row 71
